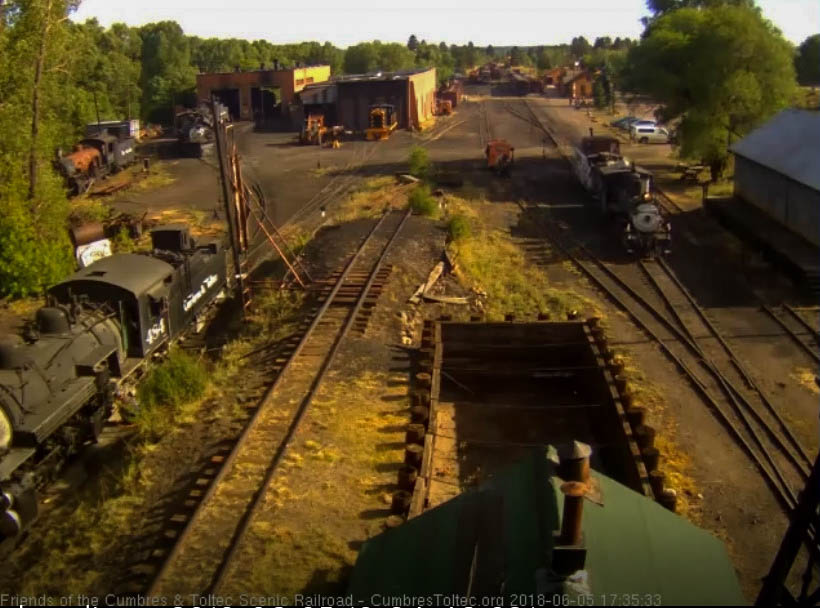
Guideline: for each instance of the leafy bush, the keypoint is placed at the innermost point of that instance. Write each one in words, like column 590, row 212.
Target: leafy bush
column 419, row 163
column 459, row 227
column 174, row 383
column 422, row 202
column 123, row 243
column 35, row 252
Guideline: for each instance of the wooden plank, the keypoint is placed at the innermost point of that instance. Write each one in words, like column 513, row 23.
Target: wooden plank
column 418, row 499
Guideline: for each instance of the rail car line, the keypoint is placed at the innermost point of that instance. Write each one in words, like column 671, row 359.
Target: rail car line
column 770, row 445
column 209, row 533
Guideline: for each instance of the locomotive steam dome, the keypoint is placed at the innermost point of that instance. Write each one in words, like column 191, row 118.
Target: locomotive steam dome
column 52, row 320
column 646, row 218
column 12, row 357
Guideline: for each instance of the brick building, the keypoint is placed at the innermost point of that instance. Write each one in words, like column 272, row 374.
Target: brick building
column 259, row 94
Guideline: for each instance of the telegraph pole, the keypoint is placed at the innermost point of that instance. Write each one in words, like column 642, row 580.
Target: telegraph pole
column 226, row 196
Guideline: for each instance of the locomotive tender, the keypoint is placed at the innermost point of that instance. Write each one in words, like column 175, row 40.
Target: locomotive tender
column 57, row 386
column 625, row 192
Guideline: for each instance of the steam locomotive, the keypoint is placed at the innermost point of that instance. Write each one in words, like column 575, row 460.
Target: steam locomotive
column 625, row 195
column 57, row 385
column 94, row 157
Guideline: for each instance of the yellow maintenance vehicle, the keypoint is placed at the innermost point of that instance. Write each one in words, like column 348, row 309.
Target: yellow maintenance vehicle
column 382, row 118
column 313, row 129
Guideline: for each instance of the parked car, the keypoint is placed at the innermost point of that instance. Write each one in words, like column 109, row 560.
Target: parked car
column 649, row 133
column 624, row 122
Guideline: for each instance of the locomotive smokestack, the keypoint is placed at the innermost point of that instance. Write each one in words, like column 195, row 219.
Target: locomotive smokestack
column 590, row 131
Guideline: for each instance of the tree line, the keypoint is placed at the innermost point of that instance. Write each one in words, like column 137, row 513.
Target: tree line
column 715, row 65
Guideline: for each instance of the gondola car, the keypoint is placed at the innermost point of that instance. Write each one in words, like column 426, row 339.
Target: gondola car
column 57, row 384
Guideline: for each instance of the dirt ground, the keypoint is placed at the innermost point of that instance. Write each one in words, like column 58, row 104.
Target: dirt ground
column 334, row 492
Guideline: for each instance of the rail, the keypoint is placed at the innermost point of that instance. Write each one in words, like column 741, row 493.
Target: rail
column 194, row 518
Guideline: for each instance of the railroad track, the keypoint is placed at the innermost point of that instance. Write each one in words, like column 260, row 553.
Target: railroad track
column 485, row 132
column 680, row 327
column 338, row 184
column 207, row 532
column 797, row 328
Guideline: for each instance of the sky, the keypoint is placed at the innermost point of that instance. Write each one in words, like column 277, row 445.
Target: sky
column 347, row 22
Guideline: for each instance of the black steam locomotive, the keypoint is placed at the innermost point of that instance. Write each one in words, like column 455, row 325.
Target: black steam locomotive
column 57, row 385
column 625, row 195
column 94, row 157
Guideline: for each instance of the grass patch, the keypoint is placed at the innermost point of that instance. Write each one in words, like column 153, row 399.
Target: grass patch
column 85, row 209
column 273, row 312
column 422, row 202
column 458, row 228
column 165, row 392
column 488, row 261
column 419, row 163
column 157, row 177
column 375, row 184
column 372, row 198
column 123, row 243
column 675, row 463
column 724, row 187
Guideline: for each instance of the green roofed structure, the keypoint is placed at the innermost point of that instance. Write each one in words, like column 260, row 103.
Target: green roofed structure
column 502, row 541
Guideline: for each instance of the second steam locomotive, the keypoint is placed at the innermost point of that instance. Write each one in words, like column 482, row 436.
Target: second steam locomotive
column 625, row 194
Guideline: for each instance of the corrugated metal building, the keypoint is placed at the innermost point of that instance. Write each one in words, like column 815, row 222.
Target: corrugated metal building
column 412, row 92
column 777, row 169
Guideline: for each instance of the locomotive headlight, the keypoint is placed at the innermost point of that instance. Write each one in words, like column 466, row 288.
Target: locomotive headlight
column 647, row 196
column 6, row 430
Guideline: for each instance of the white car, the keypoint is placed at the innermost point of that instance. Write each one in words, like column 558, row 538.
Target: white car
column 649, row 134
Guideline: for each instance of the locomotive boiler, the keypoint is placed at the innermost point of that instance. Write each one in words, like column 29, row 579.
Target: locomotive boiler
column 57, row 383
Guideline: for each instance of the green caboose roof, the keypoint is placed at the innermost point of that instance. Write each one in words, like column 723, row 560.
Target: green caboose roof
column 497, row 540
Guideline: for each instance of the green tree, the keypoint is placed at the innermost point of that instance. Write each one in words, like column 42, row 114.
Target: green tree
column 544, row 61
column 722, row 70
column 604, row 42
column 579, row 47
column 490, row 51
column 807, row 61
column 168, row 78
column 35, row 49
column 413, row 43
column 517, row 56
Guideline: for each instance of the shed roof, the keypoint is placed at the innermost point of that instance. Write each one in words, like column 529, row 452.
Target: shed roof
column 788, row 144
column 500, row 537
column 380, row 76
column 129, row 271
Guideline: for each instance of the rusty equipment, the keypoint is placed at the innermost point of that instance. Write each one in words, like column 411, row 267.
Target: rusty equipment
column 313, row 130
column 383, row 122
column 500, row 156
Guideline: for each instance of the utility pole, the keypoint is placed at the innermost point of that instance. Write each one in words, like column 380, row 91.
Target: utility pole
column 226, row 195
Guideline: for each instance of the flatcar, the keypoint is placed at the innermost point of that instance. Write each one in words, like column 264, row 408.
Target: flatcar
column 57, row 383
